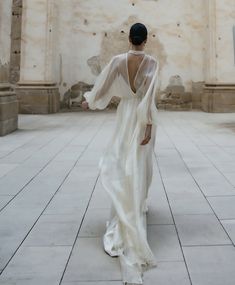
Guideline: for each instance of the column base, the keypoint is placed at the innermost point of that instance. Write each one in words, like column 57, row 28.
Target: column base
column 38, row 98
column 8, row 110
column 218, row 98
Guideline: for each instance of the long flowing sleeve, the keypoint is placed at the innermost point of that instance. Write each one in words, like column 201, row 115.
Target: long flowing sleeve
column 147, row 111
column 102, row 92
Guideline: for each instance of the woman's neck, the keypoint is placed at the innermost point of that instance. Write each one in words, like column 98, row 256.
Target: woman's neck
column 137, row 48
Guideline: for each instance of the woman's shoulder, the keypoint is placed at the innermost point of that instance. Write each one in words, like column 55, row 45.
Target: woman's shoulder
column 119, row 56
column 152, row 58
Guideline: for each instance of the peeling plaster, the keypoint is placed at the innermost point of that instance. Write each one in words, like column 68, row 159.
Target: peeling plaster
column 120, row 37
column 94, row 64
column 4, row 72
column 91, row 32
column 75, row 93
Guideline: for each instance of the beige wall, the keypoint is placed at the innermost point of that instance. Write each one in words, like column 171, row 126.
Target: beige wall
column 39, row 42
column 5, row 41
column 69, row 41
column 222, row 49
column 90, row 33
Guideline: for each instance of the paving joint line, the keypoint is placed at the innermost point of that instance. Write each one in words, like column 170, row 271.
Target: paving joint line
column 184, row 259
column 46, row 204
column 199, row 187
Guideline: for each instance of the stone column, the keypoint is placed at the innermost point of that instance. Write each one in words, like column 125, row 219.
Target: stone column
column 8, row 100
column 219, row 89
column 37, row 90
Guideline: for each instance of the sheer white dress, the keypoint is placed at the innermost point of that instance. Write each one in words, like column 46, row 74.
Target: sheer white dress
column 126, row 165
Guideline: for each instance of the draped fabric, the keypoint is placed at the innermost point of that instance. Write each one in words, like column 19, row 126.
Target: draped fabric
column 126, row 165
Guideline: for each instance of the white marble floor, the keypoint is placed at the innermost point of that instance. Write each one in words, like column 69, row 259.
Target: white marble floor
column 53, row 208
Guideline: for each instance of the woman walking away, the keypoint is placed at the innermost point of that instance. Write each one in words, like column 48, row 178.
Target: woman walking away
column 126, row 164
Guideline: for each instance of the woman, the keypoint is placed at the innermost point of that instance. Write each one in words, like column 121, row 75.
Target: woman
column 126, row 165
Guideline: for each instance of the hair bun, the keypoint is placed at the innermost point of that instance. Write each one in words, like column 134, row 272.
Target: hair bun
column 138, row 33
column 137, row 40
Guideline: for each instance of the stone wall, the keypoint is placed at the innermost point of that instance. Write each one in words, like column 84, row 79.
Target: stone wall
column 219, row 90
column 91, row 32
column 8, row 100
column 15, row 41
column 68, row 42
column 37, row 88
column 5, row 42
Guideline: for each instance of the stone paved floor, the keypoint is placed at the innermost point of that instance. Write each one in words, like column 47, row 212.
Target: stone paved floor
column 53, row 207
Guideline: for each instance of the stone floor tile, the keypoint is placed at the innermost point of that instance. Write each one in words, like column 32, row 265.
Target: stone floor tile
column 6, row 167
column 93, row 283
column 164, row 242
column 100, row 198
column 230, row 176
column 184, row 202
column 54, row 230
column 211, row 265
column 159, row 210
column 88, row 262
column 22, row 175
column 94, row 223
column 200, row 230
column 36, row 264
column 229, row 226
column 66, row 204
column 55, row 160
column 226, row 166
column 224, row 207
column 167, row 273
column 212, row 182
column 4, row 199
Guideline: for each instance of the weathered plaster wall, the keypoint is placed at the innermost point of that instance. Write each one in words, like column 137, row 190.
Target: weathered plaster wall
column 5, row 43
column 70, row 41
column 39, row 40
column 8, row 100
column 91, row 32
column 220, row 65
column 15, row 41
column 225, row 19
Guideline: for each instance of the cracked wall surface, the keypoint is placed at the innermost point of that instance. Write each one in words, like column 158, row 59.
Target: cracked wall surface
column 4, row 72
column 91, row 32
column 15, row 41
column 5, row 42
column 81, row 37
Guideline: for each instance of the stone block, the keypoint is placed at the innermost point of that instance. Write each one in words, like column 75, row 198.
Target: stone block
column 38, row 99
column 218, row 98
column 175, row 89
column 197, row 92
column 8, row 111
column 8, row 126
column 186, row 97
column 175, row 107
column 175, row 98
column 17, row 28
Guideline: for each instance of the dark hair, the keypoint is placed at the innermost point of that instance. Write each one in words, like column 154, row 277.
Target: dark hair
column 138, row 34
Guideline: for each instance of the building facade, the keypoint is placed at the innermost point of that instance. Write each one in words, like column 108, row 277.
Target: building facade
column 56, row 49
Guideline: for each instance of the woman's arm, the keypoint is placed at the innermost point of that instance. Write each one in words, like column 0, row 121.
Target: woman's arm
column 147, row 110
column 99, row 97
column 147, row 136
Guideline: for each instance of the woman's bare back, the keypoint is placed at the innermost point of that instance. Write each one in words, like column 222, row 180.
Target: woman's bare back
column 133, row 66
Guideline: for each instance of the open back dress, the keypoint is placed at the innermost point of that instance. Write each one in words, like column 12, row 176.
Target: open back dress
column 126, row 165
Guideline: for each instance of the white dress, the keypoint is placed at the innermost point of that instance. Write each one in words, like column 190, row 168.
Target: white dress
column 126, row 166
